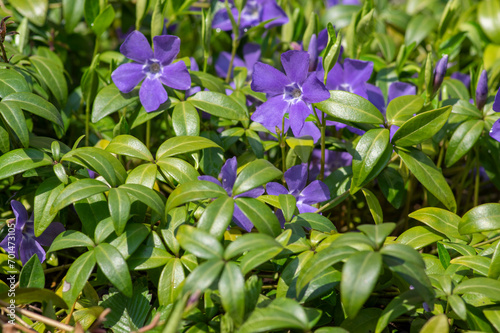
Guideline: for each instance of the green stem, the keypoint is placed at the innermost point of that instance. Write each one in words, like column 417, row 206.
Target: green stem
column 323, row 130
column 334, row 202
column 489, row 241
column 477, row 181
column 87, row 121
column 148, row 133
column 283, row 149
column 233, row 54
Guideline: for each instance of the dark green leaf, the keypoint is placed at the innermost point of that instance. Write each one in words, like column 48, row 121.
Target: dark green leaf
column 314, row 221
column 438, row 323
column 178, row 169
column 462, row 140
column 148, row 257
column 21, row 160
column 119, row 208
column 14, row 118
column 72, row 13
column 255, row 174
column 35, row 295
column 232, row 292
column 69, row 239
column 439, row 219
column 185, row 119
column 147, row 196
column 11, row 81
column 481, row 218
column 199, row 242
column 103, row 20
column 249, row 242
column 402, row 108
column 34, row 10
column 171, row 277
column 32, row 275
column 130, row 146
column 218, row 104
column 109, row 99
column 398, row 306
column 288, row 205
column 466, row 109
column 78, row 190
column 36, row 105
column 477, row 263
column 130, row 240
column 77, row 276
column 260, row 215
column 45, row 196
column 194, row 191
column 419, row 236
column 114, row 267
column 53, row 77
column 217, row 217
column 203, row 276
column 374, row 206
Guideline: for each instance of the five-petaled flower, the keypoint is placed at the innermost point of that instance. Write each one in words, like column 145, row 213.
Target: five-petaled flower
column 296, row 179
column 25, row 244
column 228, row 176
column 292, row 93
column 155, row 68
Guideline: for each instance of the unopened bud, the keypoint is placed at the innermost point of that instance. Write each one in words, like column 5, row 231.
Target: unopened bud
column 313, row 53
column 482, row 90
column 440, row 72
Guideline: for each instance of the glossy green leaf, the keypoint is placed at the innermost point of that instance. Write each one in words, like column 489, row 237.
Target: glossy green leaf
column 32, row 275
column 288, row 205
column 428, row 175
column 260, row 215
column 481, row 218
column 490, row 288
column 45, row 196
column 232, row 292
column 455, row 89
column 130, row 240
column 11, row 81
column 392, row 185
column 72, row 13
column 488, row 15
column 147, row 196
column 119, row 208
column 171, row 277
column 249, row 242
column 359, row 275
column 109, row 100
column 479, row 264
column 438, row 323
column 78, row 190
column 421, row 127
column 371, row 156
column 148, row 257
column 185, row 120
column 53, row 76
column 199, row 243
column 178, row 169
column 203, row 276
column 462, row 140
column 77, row 276
column 21, row 160
column 399, row 305
column 14, row 119
column 4, row 139
column 255, row 174
column 377, row 233
column 466, row 109
column 314, row 221
column 26, row 296
column 114, row 267
column 207, row 80
column 184, row 144
column 494, row 270
column 144, row 174
column 493, row 315
column 255, row 258
column 218, row 104
column 217, row 217
column 402, row 108
column 128, row 145
column 419, row 236
column 346, row 106
column 374, row 206
column 100, row 161
column 194, row 191
column 419, row 27
column 35, row 105
column 439, row 219
column 103, row 20
column 387, row 46
column 34, row 10
column 69, row 239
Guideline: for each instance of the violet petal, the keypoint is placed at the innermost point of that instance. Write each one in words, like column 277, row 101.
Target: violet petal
column 210, row 179
column 298, row 113
column 228, row 174
column 270, row 114
column 166, row 48
column 127, row 76
column 176, row 76
column 241, row 219
column 314, row 91
column 274, row 188
column 48, row 236
column 136, row 47
column 296, row 178
column 267, row 79
column 315, row 192
column 296, row 65
column 152, row 94
column 29, row 247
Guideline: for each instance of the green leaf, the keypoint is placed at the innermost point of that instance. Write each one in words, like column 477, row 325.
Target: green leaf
column 149, row 197
column 53, row 76
column 77, row 276
column 428, row 175
column 45, row 196
column 488, row 15
column 477, row 263
column 392, row 185
column 130, row 240
column 208, row 81
column 438, row 323
column 288, row 205
column 218, row 104
column 359, row 275
column 399, row 305
column 419, row 27
column 32, row 275
column 78, row 190
column 72, row 13
column 487, row 287
column 421, row 127
column 14, row 119
column 232, row 292
column 109, row 99
column 255, row 174
column 458, row 306
column 374, row 206
column 481, row 218
column 103, row 20
column 387, row 46
column 148, row 257
column 249, row 242
column 36, row 105
column 26, row 296
column 199, row 242
column 119, row 208
column 144, row 174
column 34, row 10
column 439, row 219
column 21, row 160
column 4, row 139
column 185, row 119
column 257, row 257
column 403, row 108
column 184, row 144
column 455, row 89
column 69, row 239
column 260, row 215
column 280, row 314
column 11, row 81
column 372, row 153
column 346, row 106
column 377, row 233
column 193, row 191
column 314, row 221
column 114, row 267
column 466, row 109
column 419, row 236
column 203, row 276
column 178, row 169
column 129, row 145
column 462, row 140
column 494, row 270
column 171, row 277
column 90, row 11
column 217, row 217
column 100, row 161
column 493, row 315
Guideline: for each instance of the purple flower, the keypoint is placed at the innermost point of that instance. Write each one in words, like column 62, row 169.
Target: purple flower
column 291, row 93
column 440, row 72
column 296, row 179
column 228, row 176
column 464, row 78
column 495, row 129
column 25, row 244
column 331, row 3
column 398, row 89
column 251, row 54
column 155, row 68
column 482, row 90
column 313, row 53
column 333, row 160
column 254, row 12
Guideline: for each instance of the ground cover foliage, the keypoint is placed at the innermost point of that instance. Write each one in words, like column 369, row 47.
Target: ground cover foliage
column 250, row 166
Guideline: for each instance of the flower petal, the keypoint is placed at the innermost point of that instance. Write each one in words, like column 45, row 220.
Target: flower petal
column 136, row 47
column 176, row 76
column 20, row 213
column 296, row 65
column 221, row 19
column 222, row 64
column 335, row 77
column 305, row 208
column 166, row 48
column 6, row 242
column 357, row 71
column 314, row 91
column 375, row 96
column 296, row 178
column 241, row 219
column 29, row 247
column 496, row 103
column 297, row 116
column 152, row 94
column 254, row 193
column 267, row 79
column 48, row 236
column 210, row 179
column 228, row 174
column 315, row 192
column 127, row 76
column 495, row 130
column 271, row 10
column 270, row 114
column 310, row 129
column 274, row 188
column 398, row 89
column 251, row 54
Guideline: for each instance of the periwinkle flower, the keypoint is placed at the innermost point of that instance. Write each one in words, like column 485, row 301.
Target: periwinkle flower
column 296, row 179
column 482, row 90
column 464, row 78
column 495, row 129
column 292, row 93
column 254, row 12
column 313, row 53
column 331, row 3
column 24, row 241
column 440, row 72
column 333, row 160
column 251, row 54
column 155, row 68
column 228, row 176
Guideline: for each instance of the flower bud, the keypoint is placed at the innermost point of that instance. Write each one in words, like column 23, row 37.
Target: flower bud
column 313, row 53
column 440, row 72
column 482, row 90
